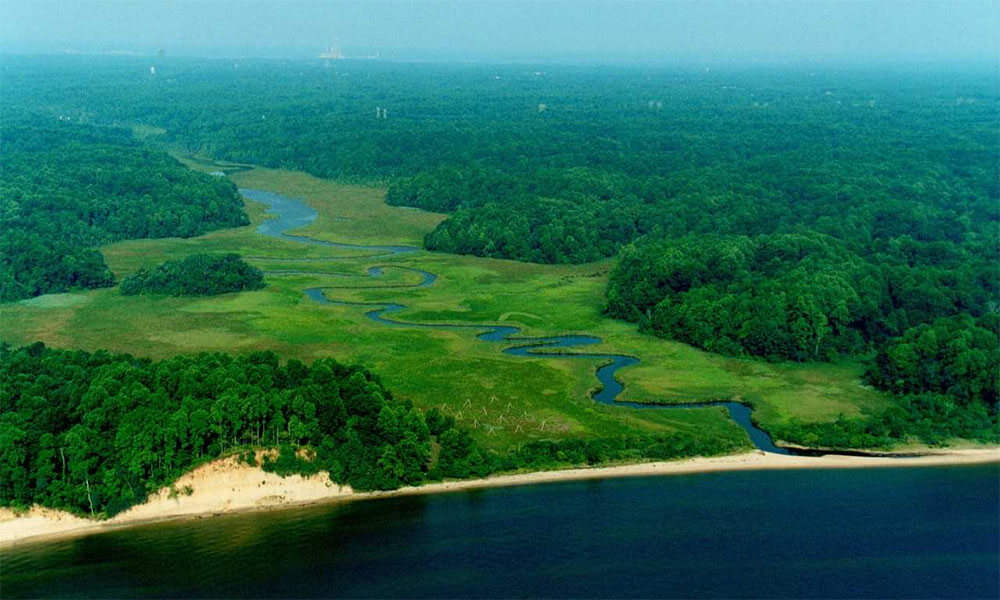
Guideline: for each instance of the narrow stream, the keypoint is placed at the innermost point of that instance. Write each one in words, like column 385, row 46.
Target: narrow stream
column 290, row 213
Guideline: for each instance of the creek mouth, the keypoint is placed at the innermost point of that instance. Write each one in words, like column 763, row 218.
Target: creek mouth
column 290, row 213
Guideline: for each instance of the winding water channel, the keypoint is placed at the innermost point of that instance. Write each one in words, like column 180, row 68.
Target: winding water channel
column 291, row 213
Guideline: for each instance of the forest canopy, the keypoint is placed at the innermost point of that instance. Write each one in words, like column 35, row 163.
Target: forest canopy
column 774, row 212
column 195, row 275
column 95, row 433
column 68, row 188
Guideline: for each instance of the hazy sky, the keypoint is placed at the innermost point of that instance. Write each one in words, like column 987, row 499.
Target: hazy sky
column 503, row 30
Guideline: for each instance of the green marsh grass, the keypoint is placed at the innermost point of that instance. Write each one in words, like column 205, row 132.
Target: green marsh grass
column 508, row 400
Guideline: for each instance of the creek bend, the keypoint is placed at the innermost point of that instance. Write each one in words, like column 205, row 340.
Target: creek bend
column 291, row 213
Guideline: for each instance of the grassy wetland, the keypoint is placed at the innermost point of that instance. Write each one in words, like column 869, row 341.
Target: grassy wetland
column 505, row 400
column 498, row 300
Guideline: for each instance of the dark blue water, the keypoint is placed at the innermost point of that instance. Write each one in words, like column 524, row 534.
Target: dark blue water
column 867, row 533
column 290, row 213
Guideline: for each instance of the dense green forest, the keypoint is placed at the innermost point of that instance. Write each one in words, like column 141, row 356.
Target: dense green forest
column 931, row 418
column 95, row 433
column 799, row 213
column 803, row 296
column 957, row 356
column 67, row 188
column 596, row 156
column 98, row 432
column 195, row 275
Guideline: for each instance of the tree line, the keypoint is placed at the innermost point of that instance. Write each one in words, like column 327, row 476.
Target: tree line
column 750, row 211
column 68, row 188
column 195, row 275
column 931, row 418
column 95, row 433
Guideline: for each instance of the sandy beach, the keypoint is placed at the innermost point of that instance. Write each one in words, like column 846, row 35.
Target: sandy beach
column 227, row 486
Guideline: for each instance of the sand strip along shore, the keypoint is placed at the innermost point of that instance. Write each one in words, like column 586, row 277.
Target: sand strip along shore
column 228, row 486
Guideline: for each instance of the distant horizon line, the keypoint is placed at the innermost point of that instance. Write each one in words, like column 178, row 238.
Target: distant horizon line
column 486, row 60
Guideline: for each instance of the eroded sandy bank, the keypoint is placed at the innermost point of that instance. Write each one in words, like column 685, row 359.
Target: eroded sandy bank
column 226, row 485
column 221, row 486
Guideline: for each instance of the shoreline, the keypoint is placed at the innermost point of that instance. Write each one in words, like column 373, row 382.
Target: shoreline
column 251, row 489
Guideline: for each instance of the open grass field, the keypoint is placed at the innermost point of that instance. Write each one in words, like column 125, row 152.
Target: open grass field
column 506, row 399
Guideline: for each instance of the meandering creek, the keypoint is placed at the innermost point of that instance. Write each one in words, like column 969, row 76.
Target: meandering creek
column 290, row 213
